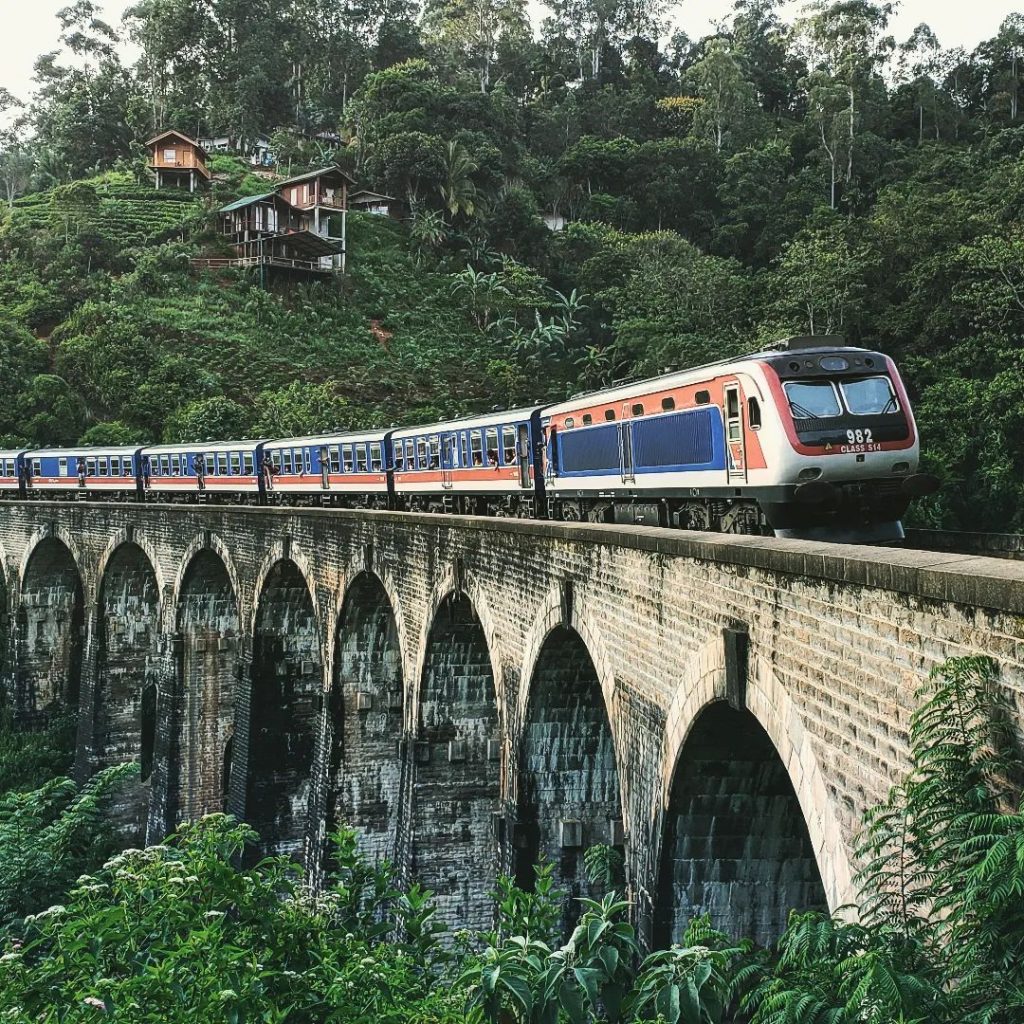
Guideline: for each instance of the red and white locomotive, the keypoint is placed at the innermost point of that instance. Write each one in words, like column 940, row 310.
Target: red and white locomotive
column 814, row 440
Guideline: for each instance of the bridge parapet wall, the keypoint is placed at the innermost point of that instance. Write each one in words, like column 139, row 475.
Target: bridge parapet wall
column 822, row 645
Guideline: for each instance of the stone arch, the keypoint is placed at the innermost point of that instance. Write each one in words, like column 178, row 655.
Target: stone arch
column 130, row 536
column 457, row 766
column 740, row 839
column 50, row 630
column 213, row 543
column 366, row 717
column 455, row 582
column 568, row 786
column 286, row 690
column 127, row 700
column 208, row 627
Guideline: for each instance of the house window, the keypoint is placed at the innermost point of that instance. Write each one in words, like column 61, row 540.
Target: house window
column 668, row 404
column 170, row 156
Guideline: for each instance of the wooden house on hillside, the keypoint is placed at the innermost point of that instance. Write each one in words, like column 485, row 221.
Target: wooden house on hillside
column 322, row 195
column 177, row 161
column 376, row 203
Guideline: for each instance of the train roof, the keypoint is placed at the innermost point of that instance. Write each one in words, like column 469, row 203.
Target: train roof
column 12, row 453
column 202, row 447
column 337, row 437
column 468, row 422
column 86, row 450
column 695, row 375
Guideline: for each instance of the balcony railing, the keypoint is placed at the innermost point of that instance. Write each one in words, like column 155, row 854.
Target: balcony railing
column 182, row 160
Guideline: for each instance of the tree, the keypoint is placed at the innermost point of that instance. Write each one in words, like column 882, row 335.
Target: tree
column 457, row 190
column 846, row 47
column 472, row 30
column 727, row 96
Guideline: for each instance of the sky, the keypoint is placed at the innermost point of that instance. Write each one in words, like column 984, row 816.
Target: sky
column 30, row 26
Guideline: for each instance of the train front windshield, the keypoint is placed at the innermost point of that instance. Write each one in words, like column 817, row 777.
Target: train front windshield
column 820, row 399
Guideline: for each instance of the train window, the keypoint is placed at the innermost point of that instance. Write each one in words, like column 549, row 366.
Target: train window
column 587, row 419
column 451, row 449
column 464, row 439
column 609, row 414
column 348, row 462
column 236, row 464
column 104, row 470
column 812, row 399
column 62, row 467
column 222, row 463
column 37, row 469
column 753, row 414
column 306, row 455
column 410, row 459
column 702, row 397
column 477, row 446
column 361, row 458
column 871, row 396
column 491, row 444
column 126, row 466
column 115, row 466
column 248, row 463
column 210, row 465
column 376, row 458
column 668, row 404
column 637, row 409
column 732, row 403
column 399, row 456
column 421, row 453
column 435, row 451
column 286, row 460
column 508, row 444
column 334, row 459
column 569, row 423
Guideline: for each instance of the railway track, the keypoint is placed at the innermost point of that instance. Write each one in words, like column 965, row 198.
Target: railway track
column 961, row 542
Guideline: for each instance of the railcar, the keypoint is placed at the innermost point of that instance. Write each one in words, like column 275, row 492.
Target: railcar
column 816, row 441
column 344, row 469
column 112, row 473
column 203, row 472
column 12, row 473
column 478, row 465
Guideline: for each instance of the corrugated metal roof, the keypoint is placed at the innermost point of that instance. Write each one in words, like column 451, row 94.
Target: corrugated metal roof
column 245, row 201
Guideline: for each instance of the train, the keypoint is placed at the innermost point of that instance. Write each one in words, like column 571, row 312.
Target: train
column 810, row 439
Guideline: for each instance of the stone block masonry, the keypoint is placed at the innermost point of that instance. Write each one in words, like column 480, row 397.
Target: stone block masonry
column 470, row 693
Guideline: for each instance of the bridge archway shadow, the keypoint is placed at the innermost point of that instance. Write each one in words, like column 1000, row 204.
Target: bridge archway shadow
column 50, row 625
column 127, row 698
column 286, row 684
column 208, row 621
column 457, row 767
column 365, row 723
column 569, row 795
column 735, row 844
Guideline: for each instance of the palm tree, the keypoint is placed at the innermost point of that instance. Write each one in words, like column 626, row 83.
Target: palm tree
column 457, row 190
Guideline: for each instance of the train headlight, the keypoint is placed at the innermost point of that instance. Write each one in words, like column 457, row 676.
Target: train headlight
column 808, row 474
column 833, row 363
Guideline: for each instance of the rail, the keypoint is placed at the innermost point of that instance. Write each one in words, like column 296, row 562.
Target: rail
column 311, row 266
column 962, row 542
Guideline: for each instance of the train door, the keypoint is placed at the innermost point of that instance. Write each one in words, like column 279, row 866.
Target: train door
column 626, row 447
column 447, row 459
column 325, row 468
column 523, row 455
column 735, row 449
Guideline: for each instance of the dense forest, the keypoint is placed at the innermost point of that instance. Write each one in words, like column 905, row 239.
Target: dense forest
column 187, row 932
column 771, row 178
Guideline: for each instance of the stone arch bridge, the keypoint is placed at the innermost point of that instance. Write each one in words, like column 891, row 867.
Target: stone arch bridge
column 472, row 693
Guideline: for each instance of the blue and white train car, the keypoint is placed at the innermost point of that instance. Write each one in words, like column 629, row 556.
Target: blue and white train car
column 111, row 472
column 187, row 472
column 12, row 472
column 330, row 469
